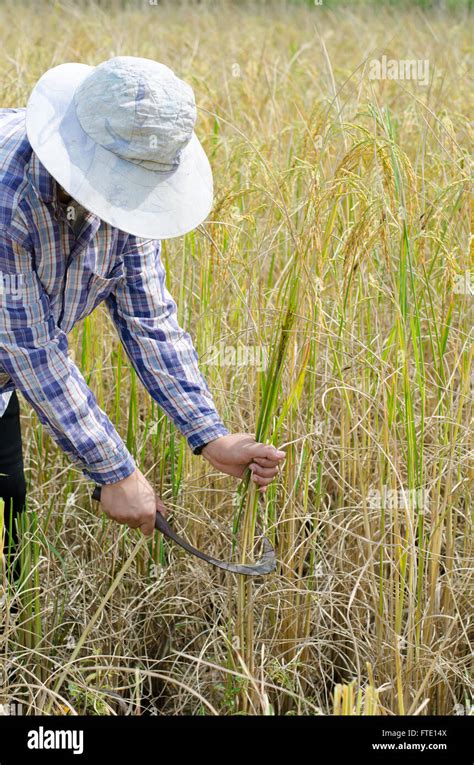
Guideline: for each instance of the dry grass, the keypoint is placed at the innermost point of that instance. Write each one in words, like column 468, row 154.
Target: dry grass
column 359, row 187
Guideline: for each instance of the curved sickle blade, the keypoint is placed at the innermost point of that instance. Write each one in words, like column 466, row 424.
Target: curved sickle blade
column 265, row 565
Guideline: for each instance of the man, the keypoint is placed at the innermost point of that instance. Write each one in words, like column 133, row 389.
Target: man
column 102, row 165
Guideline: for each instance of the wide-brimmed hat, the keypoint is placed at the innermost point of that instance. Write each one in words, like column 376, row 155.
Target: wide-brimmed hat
column 119, row 138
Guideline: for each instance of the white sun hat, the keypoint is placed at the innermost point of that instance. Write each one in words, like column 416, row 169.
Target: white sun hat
column 119, row 138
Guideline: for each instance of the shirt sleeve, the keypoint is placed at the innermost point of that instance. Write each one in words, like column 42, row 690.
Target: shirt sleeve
column 34, row 353
column 161, row 352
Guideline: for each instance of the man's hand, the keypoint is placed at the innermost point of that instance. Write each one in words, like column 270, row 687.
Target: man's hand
column 233, row 454
column 132, row 501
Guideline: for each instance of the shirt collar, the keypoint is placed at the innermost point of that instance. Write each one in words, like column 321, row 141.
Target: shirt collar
column 46, row 188
column 43, row 183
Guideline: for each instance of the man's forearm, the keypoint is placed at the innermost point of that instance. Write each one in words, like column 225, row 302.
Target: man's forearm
column 161, row 352
column 67, row 408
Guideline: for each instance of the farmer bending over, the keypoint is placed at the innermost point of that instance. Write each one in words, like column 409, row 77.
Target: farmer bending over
column 101, row 165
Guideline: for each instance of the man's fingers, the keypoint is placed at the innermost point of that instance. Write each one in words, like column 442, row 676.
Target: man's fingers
column 263, row 462
column 266, row 472
column 125, row 521
column 266, row 461
column 161, row 508
column 148, row 528
column 147, row 525
column 136, row 523
column 261, row 480
column 265, row 451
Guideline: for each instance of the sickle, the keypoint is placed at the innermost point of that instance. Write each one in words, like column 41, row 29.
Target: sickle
column 265, row 565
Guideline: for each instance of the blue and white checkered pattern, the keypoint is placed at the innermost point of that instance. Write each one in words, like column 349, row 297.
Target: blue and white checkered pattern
column 59, row 279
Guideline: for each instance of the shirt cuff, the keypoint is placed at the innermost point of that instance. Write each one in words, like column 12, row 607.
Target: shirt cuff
column 118, row 465
column 201, row 432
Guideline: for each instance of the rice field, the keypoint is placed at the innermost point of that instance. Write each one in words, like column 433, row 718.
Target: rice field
column 330, row 297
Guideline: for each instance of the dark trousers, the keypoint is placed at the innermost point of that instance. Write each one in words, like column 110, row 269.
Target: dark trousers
column 12, row 477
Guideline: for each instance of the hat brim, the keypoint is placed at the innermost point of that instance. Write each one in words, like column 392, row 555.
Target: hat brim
column 142, row 202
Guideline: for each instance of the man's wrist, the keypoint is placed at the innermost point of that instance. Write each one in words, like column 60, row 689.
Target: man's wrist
column 198, row 449
column 204, row 435
column 112, row 471
column 119, row 481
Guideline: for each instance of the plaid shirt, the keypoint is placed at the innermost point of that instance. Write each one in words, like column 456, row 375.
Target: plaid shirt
column 51, row 278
